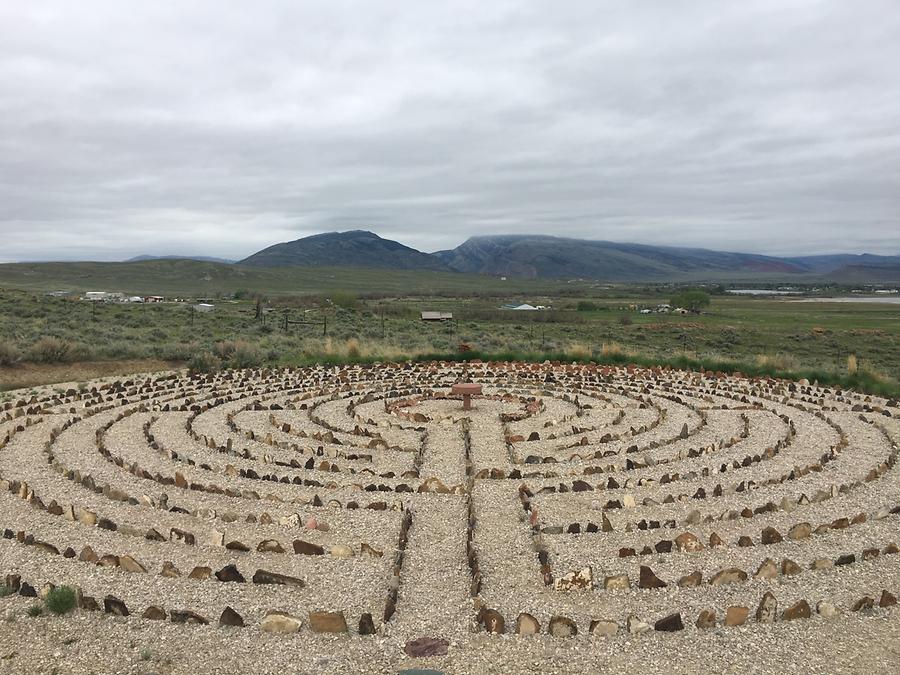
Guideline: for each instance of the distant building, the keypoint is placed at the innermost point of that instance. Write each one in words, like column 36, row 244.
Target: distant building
column 524, row 307
column 104, row 296
column 153, row 298
column 437, row 316
column 135, row 298
column 204, row 307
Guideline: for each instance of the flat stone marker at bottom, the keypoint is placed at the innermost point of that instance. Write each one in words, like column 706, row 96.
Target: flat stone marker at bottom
column 426, row 646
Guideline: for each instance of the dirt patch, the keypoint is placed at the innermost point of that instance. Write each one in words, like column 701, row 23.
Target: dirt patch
column 37, row 374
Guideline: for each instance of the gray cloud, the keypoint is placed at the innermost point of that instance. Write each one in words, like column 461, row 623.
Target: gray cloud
column 218, row 128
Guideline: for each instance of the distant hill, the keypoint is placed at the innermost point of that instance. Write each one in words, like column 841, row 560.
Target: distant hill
column 885, row 273
column 357, row 248
column 198, row 258
column 557, row 257
column 827, row 264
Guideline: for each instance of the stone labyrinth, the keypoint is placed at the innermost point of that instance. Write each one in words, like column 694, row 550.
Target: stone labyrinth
column 571, row 501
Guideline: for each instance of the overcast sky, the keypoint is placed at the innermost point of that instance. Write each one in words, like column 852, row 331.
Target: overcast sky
column 219, row 128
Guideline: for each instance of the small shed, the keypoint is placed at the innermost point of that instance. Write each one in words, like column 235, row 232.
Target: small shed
column 437, row 316
column 204, row 307
column 524, row 307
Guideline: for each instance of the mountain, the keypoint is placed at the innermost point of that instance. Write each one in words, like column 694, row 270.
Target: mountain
column 545, row 256
column 198, row 258
column 831, row 263
column 357, row 248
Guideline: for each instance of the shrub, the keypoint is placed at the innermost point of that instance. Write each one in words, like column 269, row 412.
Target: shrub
column 52, row 350
column 61, row 600
column 852, row 365
column 626, row 320
column 245, row 355
column 586, row 306
column 9, row 354
column 204, row 362
column 353, row 350
column 5, row 590
column 35, row 610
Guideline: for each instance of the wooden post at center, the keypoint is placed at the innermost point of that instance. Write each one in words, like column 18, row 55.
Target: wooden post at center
column 467, row 389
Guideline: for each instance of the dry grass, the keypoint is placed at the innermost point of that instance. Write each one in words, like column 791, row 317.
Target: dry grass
column 779, row 361
column 852, row 365
column 579, row 350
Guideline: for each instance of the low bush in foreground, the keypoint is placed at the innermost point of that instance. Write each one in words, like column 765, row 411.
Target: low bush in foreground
column 61, row 600
column 53, row 350
column 9, row 354
column 204, row 362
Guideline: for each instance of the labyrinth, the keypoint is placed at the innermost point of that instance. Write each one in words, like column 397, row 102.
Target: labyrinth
column 363, row 507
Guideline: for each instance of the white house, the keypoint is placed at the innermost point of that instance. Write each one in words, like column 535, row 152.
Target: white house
column 437, row 316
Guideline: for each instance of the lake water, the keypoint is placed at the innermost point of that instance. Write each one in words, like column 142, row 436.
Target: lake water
column 879, row 299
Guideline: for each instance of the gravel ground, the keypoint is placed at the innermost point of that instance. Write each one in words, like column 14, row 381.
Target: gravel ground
column 389, row 436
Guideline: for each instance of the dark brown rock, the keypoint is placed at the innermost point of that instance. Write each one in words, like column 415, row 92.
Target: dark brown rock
column 154, row 613
column 112, row 605
column 670, row 624
column 231, row 618
column 800, row 610
column 649, row 580
column 306, row 548
column 492, row 620
column 426, row 646
column 264, row 577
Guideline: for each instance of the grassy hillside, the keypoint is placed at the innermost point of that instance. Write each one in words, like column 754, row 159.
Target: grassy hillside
column 195, row 278
column 782, row 335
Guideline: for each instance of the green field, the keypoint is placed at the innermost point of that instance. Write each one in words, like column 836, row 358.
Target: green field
column 772, row 334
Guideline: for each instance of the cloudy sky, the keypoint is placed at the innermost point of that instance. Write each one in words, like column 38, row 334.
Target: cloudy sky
column 219, row 128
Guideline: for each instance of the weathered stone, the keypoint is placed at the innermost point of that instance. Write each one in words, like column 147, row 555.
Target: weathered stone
column 492, row 620
column 715, row 540
column 155, row 613
column 231, row 618
column 112, row 605
column 687, row 542
column 200, row 573
column 789, row 568
column 87, row 555
column 706, row 619
column 887, row 599
column 169, row 570
column 744, row 541
column 306, row 548
column 821, row 564
column 426, row 646
column 327, row 622
column 526, row 624
column 278, row 622
column 670, row 624
column 691, row 580
column 264, row 577
column 767, row 612
column 230, row 573
column 366, row 624
column 601, row 627
column 729, row 575
column 800, row 531
column 270, row 546
column 799, row 610
column 767, row 570
column 561, row 626
column 582, row 579
column 864, row 603
column 636, row 626
column 826, row 609
column 649, row 580
column 129, row 564
column 736, row 615
column 187, row 616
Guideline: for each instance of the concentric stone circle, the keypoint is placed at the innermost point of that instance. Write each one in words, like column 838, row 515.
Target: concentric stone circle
column 574, row 501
